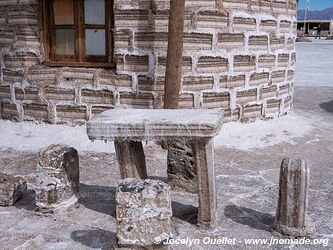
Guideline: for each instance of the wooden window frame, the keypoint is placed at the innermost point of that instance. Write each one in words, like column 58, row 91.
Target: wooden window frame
column 79, row 59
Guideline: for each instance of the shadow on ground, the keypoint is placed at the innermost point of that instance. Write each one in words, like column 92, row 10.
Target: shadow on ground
column 27, row 202
column 327, row 106
column 187, row 213
column 250, row 217
column 99, row 238
column 98, row 198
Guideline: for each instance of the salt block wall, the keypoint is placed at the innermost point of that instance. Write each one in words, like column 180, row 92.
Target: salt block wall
column 238, row 55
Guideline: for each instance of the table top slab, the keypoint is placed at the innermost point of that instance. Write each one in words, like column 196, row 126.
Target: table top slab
column 155, row 124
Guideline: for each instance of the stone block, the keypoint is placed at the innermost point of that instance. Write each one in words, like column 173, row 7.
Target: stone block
column 242, row 24
column 251, row 112
column 283, row 89
column 216, row 100
column 11, row 76
column 197, row 41
column 161, row 65
column 266, row 61
column 268, row 25
column 283, row 60
column 285, row 26
column 244, row 63
column 136, row 100
column 268, row 92
column 232, row 82
column 71, row 114
column 102, row 96
column 228, row 41
column 186, row 101
column 10, row 111
column 257, row 79
column 132, row 19
column 132, row 63
column 212, row 19
column 59, row 94
column 27, row 94
column 278, row 76
column 143, row 212
column 291, row 215
column 57, row 178
column 5, row 92
column 197, row 83
column 272, row 107
column 258, row 43
column 277, row 43
column 38, row 112
column 207, row 64
column 246, row 96
column 11, row 189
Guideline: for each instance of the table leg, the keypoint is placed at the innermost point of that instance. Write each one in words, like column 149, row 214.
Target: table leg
column 204, row 159
column 131, row 159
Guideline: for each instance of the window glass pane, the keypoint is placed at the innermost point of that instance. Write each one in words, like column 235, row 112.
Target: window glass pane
column 95, row 42
column 64, row 41
column 63, row 12
column 94, row 11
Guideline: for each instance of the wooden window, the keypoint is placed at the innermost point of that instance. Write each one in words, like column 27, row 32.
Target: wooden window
column 78, row 32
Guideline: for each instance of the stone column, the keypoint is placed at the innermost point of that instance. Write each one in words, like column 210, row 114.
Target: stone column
column 57, row 177
column 143, row 213
column 131, row 159
column 11, row 189
column 203, row 150
column 291, row 216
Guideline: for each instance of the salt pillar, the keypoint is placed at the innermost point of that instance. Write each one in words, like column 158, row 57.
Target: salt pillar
column 57, row 177
column 291, row 216
column 143, row 212
column 11, row 189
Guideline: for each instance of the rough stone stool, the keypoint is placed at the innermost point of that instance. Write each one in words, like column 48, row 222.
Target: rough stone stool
column 129, row 127
column 57, row 177
column 143, row 212
column 291, row 216
column 11, row 189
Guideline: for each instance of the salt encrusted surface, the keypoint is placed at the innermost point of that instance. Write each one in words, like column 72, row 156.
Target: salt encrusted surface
column 11, row 189
column 57, row 182
column 143, row 212
column 292, row 213
column 144, row 124
column 223, row 40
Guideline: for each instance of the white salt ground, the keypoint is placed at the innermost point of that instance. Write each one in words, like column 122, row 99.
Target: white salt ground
column 27, row 136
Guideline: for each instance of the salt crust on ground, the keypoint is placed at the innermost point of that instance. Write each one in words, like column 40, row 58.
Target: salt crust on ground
column 27, row 136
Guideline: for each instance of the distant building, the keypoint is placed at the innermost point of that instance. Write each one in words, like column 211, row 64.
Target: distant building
column 312, row 25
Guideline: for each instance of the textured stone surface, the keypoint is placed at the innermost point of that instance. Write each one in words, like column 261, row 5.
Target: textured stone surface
column 182, row 173
column 291, row 216
column 11, row 189
column 222, row 39
column 143, row 212
column 57, row 178
column 157, row 124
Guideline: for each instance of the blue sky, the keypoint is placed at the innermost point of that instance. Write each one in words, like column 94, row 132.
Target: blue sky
column 316, row 4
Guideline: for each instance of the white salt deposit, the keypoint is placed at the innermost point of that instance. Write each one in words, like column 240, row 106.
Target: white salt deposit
column 26, row 136
column 262, row 134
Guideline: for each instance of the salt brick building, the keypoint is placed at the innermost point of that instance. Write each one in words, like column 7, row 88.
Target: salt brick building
column 238, row 55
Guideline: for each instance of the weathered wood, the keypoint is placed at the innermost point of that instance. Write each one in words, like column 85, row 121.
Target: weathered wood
column 131, row 159
column 291, row 216
column 204, row 161
column 175, row 54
